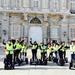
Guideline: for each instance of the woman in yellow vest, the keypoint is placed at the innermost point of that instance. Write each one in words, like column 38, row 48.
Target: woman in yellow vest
column 24, row 50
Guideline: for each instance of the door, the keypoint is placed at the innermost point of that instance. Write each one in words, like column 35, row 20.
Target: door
column 35, row 33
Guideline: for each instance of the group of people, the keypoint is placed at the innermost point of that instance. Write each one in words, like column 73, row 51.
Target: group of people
column 15, row 49
column 52, row 48
column 19, row 48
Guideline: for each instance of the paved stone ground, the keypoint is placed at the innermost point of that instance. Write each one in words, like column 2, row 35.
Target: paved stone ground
column 50, row 69
column 38, row 70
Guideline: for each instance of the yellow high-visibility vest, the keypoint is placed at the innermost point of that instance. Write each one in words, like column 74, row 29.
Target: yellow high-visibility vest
column 9, row 48
column 34, row 46
column 24, row 48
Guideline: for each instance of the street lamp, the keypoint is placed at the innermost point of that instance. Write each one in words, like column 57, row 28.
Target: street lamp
column 68, row 29
column 9, row 31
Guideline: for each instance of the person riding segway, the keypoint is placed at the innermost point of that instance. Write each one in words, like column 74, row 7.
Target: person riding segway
column 55, row 51
column 61, row 60
column 43, row 49
column 50, row 50
column 34, row 59
column 17, row 47
column 8, row 61
column 72, row 62
column 23, row 54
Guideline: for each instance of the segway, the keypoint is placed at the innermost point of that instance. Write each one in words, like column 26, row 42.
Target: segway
column 34, row 62
column 54, row 59
column 24, row 59
column 43, row 60
column 61, row 60
column 18, row 61
column 8, row 64
column 72, row 63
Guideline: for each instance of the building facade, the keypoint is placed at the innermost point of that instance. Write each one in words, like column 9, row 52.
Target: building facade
column 39, row 20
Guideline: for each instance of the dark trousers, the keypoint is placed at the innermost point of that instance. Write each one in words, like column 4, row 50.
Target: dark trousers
column 64, row 54
column 16, row 54
column 61, row 54
column 34, row 54
column 43, row 56
column 9, row 58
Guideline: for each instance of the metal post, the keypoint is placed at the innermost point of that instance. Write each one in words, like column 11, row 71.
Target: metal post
column 68, row 30
column 9, row 31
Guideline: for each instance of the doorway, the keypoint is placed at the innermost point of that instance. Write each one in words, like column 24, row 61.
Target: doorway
column 35, row 33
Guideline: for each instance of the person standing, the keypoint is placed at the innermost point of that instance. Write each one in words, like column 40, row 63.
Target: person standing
column 34, row 50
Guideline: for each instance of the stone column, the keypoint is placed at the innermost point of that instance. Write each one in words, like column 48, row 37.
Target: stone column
column 45, row 28
column 1, row 14
column 5, row 25
column 26, row 26
column 64, row 32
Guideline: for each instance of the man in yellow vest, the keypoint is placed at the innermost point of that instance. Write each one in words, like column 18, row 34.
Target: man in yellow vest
column 18, row 48
column 60, row 50
column 56, row 47
column 34, row 49
column 9, row 52
column 43, row 51
column 24, row 50
column 50, row 50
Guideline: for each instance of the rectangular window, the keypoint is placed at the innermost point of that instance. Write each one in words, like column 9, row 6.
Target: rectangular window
column 20, row 3
column 72, row 4
column 54, row 33
column 72, row 33
column 2, row 3
column 45, row 4
column 12, row 3
column 51, row 5
column 36, row 4
column 17, row 3
column 26, row 3
column 54, row 5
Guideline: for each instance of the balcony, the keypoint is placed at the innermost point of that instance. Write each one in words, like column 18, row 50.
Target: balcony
column 30, row 10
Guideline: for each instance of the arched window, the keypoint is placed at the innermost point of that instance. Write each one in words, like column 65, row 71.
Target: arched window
column 35, row 20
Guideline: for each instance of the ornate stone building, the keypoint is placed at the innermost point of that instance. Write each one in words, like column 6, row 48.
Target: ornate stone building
column 41, row 20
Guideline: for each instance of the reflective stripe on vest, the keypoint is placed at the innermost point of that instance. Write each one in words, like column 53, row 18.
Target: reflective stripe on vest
column 24, row 48
column 34, row 46
column 18, row 46
column 43, row 49
column 9, row 49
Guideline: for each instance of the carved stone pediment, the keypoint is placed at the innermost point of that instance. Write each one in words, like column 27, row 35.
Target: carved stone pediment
column 35, row 20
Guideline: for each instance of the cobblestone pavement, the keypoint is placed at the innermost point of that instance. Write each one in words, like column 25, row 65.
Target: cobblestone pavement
column 50, row 69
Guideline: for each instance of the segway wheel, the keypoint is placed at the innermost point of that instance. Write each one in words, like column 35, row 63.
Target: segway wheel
column 49, row 59
column 61, row 62
column 5, row 67
column 45, row 63
column 39, row 62
column 66, row 60
column 26, row 60
column 36, row 61
column 13, row 66
column 70, row 65
column 55, row 60
column 30, row 61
